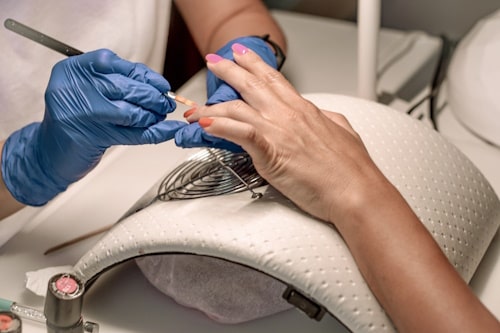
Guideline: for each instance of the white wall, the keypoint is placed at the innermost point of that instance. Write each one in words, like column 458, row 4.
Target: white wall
column 452, row 18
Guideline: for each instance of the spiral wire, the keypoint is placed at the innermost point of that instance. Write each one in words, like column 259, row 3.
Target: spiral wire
column 211, row 172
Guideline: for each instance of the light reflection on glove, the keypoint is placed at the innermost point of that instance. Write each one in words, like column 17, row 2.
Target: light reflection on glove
column 93, row 101
column 219, row 91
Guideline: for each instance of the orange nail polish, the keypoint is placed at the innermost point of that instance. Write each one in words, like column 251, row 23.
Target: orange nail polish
column 189, row 112
column 205, row 122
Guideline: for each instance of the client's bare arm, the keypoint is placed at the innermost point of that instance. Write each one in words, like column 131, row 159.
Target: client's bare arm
column 336, row 180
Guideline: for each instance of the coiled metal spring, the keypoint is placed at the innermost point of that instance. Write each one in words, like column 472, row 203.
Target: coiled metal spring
column 211, row 172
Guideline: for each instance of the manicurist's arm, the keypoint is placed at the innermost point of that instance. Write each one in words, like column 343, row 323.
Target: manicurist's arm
column 213, row 23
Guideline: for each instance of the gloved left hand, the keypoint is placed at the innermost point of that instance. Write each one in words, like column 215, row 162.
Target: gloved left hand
column 219, row 91
column 93, row 101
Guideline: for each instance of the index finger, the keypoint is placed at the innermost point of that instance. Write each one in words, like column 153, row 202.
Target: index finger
column 105, row 61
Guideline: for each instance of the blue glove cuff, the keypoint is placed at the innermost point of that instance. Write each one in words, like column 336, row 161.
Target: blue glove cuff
column 23, row 175
column 278, row 52
column 256, row 44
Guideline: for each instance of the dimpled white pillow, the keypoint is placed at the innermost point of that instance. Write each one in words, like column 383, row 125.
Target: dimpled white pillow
column 275, row 239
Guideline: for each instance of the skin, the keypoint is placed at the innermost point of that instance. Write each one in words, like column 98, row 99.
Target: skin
column 336, row 180
column 9, row 204
column 233, row 19
column 228, row 19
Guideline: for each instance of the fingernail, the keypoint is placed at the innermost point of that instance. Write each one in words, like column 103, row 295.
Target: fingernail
column 239, row 48
column 189, row 112
column 213, row 58
column 205, row 122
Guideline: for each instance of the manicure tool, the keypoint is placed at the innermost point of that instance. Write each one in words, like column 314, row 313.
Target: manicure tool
column 67, row 50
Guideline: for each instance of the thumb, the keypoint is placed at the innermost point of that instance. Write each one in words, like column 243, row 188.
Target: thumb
column 159, row 132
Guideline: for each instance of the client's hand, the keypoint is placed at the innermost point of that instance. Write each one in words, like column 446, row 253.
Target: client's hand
column 314, row 158
column 219, row 91
column 93, row 101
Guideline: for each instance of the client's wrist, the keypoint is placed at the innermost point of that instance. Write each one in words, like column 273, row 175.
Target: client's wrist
column 365, row 196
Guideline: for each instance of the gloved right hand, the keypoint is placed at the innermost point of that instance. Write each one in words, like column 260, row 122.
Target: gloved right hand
column 93, row 101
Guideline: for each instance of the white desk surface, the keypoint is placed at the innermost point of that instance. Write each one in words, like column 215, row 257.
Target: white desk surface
column 122, row 300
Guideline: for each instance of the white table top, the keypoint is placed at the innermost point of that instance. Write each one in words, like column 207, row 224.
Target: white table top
column 122, row 300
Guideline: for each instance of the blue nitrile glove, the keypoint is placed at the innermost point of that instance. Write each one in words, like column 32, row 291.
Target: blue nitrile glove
column 93, row 101
column 219, row 91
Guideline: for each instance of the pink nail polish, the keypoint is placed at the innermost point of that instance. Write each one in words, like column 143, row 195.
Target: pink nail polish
column 239, row 48
column 213, row 58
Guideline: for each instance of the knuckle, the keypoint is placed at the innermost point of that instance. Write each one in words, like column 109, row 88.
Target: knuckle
column 303, row 110
column 256, row 83
column 233, row 108
column 342, row 118
column 272, row 76
column 252, row 135
column 238, row 105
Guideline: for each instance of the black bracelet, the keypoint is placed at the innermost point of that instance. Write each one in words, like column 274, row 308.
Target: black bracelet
column 278, row 52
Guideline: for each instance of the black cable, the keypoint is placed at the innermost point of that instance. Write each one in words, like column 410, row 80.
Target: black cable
column 447, row 47
column 416, row 105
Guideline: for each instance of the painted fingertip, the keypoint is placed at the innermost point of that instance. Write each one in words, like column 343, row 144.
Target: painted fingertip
column 213, row 58
column 239, row 48
column 205, row 122
column 189, row 112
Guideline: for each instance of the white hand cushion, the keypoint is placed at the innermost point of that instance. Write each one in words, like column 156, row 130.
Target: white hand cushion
column 271, row 236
